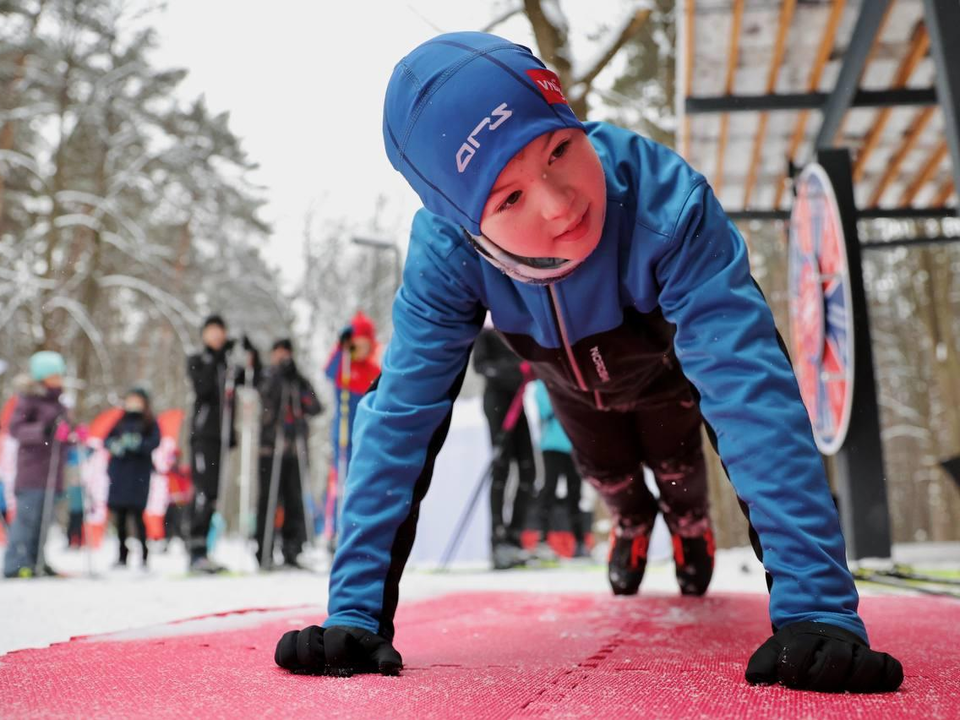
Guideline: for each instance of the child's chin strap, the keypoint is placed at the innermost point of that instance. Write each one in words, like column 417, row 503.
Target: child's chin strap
column 534, row 271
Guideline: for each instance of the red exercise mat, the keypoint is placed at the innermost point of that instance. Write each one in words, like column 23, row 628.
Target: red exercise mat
column 490, row 655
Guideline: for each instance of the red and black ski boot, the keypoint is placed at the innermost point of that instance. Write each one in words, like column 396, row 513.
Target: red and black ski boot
column 694, row 559
column 627, row 559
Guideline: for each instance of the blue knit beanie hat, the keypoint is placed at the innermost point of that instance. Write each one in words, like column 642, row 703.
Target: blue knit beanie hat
column 458, row 108
column 45, row 364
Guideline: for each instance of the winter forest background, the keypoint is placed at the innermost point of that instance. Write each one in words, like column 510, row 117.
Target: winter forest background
column 127, row 214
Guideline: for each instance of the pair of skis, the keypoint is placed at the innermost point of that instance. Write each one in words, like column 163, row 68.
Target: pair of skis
column 907, row 578
column 46, row 514
column 218, row 523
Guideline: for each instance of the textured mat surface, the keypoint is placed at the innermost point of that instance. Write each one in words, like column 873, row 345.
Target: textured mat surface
column 491, row 655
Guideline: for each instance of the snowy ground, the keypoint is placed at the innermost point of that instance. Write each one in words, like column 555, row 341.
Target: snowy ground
column 98, row 599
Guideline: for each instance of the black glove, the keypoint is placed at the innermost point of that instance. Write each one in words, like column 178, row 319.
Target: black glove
column 823, row 657
column 346, row 335
column 340, row 651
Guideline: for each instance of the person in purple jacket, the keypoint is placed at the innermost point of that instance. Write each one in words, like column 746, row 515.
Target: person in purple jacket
column 38, row 424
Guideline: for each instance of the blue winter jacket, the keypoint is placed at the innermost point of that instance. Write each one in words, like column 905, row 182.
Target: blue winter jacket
column 669, row 256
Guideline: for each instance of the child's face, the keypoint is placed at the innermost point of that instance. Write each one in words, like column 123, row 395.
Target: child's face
column 53, row 381
column 214, row 336
column 550, row 200
column 279, row 355
column 361, row 348
column 133, row 403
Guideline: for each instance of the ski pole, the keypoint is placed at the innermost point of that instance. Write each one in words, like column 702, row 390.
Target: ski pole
column 344, row 439
column 454, row 543
column 85, row 502
column 303, row 463
column 246, row 449
column 226, row 425
column 52, row 469
column 266, row 551
column 509, row 423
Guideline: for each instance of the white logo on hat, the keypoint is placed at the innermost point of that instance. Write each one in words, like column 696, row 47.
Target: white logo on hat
column 469, row 148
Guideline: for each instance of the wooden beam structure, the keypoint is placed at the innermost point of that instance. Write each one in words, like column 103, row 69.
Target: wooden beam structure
column 919, row 46
column 926, row 173
column 786, row 83
column 915, row 132
column 813, row 84
column 733, row 56
column 776, row 62
column 944, row 192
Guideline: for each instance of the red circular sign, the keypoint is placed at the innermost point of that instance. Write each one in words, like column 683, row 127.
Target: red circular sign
column 821, row 320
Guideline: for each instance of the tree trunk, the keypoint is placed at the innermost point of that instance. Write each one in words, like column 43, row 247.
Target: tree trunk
column 51, row 337
column 946, row 376
column 552, row 46
column 90, row 293
column 8, row 128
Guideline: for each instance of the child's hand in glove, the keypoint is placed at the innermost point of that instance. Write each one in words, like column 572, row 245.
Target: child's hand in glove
column 823, row 657
column 340, row 651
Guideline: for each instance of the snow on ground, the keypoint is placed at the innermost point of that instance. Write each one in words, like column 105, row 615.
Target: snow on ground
column 99, row 599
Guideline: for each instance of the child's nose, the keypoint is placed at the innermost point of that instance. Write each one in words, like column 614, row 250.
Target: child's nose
column 557, row 197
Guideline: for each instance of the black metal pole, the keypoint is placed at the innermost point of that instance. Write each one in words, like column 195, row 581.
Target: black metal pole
column 893, row 97
column 854, row 61
column 902, row 213
column 943, row 24
column 861, row 481
column 909, row 242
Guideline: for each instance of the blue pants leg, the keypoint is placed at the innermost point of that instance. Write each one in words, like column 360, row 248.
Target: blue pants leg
column 24, row 542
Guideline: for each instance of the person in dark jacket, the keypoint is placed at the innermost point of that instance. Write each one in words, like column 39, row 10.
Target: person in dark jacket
column 38, row 424
column 130, row 444
column 501, row 369
column 287, row 399
column 208, row 371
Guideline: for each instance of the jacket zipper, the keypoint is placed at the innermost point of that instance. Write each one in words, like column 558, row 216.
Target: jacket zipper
column 564, row 338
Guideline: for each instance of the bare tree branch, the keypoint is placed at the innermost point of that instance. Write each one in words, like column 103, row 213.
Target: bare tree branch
column 423, row 17
column 630, row 29
column 553, row 46
column 502, row 18
column 551, row 39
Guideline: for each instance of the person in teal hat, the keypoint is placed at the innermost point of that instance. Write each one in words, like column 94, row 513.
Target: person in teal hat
column 39, row 425
column 556, row 449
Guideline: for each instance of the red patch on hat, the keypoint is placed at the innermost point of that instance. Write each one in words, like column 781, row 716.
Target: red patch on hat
column 549, row 85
